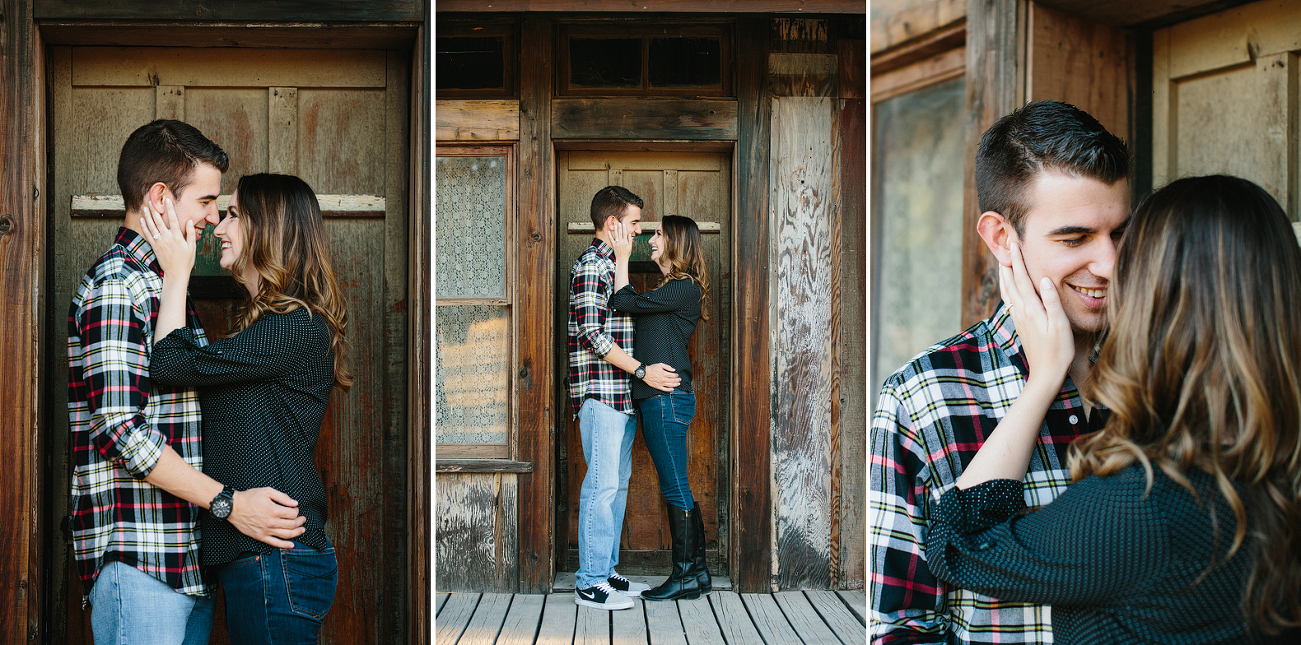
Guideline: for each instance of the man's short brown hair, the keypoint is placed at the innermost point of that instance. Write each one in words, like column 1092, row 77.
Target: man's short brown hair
column 612, row 201
column 164, row 151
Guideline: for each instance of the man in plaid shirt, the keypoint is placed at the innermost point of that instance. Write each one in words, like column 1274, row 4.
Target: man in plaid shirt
column 600, row 362
column 137, row 456
column 1054, row 182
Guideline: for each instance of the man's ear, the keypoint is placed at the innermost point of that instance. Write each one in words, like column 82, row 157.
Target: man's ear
column 155, row 195
column 998, row 235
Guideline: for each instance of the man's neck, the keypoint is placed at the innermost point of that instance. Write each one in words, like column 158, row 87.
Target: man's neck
column 1081, row 367
column 604, row 236
column 132, row 223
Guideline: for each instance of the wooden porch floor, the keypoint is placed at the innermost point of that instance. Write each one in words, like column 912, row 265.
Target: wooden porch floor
column 721, row 618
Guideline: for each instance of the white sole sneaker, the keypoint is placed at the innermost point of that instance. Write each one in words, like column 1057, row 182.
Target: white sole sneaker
column 611, row 602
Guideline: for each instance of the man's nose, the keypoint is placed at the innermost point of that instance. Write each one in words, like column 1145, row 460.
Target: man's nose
column 1105, row 260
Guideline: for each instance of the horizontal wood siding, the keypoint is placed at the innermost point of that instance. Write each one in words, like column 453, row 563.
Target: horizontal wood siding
column 477, row 120
column 22, row 260
column 232, row 10
column 654, row 6
column 639, row 118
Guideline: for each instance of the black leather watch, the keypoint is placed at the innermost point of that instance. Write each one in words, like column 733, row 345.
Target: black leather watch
column 222, row 504
column 640, row 372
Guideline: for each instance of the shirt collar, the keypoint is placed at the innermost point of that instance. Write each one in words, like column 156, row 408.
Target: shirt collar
column 139, row 248
column 604, row 249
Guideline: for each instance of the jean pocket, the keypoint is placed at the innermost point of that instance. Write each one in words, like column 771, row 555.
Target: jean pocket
column 681, row 407
column 310, row 580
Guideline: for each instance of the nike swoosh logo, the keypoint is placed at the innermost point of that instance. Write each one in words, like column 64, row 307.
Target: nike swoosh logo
column 590, row 596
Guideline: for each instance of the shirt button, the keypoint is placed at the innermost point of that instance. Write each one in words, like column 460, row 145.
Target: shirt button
column 1074, row 419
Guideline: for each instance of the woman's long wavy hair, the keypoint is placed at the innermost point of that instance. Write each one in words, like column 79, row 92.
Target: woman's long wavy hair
column 285, row 244
column 1202, row 369
column 685, row 255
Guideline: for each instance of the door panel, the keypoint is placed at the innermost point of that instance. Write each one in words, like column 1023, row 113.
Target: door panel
column 333, row 119
column 696, row 185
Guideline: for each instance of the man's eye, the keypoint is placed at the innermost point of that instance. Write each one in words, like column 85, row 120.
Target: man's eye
column 1073, row 241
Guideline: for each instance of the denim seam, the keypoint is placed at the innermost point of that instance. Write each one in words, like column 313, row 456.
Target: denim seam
column 289, row 589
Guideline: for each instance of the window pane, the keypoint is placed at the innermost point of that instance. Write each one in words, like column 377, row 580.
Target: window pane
column 471, row 384
column 470, row 227
column 470, row 63
column 605, row 62
column 917, row 297
column 685, row 62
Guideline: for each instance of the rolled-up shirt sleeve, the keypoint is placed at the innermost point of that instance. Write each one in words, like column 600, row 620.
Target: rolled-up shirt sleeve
column 587, row 296
column 116, row 370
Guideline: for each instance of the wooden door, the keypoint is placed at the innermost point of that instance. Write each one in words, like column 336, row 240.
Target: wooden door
column 1225, row 98
column 339, row 120
column 697, row 185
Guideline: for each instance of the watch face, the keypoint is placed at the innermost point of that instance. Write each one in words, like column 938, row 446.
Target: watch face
column 220, row 508
column 641, row 372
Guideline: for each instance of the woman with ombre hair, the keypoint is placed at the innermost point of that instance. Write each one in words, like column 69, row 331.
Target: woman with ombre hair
column 1183, row 524
column 666, row 318
column 264, row 390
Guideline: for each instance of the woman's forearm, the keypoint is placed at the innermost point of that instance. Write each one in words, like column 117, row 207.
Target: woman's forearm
column 620, row 273
column 1006, row 453
column 171, row 309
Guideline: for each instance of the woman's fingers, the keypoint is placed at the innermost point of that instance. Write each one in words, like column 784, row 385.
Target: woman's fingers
column 1024, row 284
column 1052, row 301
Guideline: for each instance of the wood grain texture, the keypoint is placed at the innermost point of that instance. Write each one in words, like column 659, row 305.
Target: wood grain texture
column 169, row 102
column 592, row 627
column 769, row 619
column 22, row 261
column 1080, row 62
column 282, row 140
column 190, row 67
column 439, row 600
column 482, row 466
column 476, row 120
column 455, row 616
column 733, row 619
column 522, row 620
column 257, row 10
column 699, row 623
column 419, row 376
column 804, row 162
column 473, row 519
column 1119, row 13
column 803, row 74
column 805, row 620
column 535, row 243
column 664, row 624
column 856, row 601
column 558, row 619
column 941, row 67
column 992, row 75
column 487, row 620
column 628, row 627
column 853, row 68
column 650, row 6
column 837, row 616
column 850, row 403
column 751, row 508
column 642, row 118
column 895, row 22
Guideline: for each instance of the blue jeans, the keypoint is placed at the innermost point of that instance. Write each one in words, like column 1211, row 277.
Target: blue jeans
column 280, row 597
column 607, row 446
column 131, row 606
column 665, row 423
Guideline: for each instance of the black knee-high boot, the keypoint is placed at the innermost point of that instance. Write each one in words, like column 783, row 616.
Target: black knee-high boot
column 682, row 582
column 702, row 572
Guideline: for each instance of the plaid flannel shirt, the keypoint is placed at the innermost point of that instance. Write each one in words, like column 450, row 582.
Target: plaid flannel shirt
column 594, row 329
column 932, row 417
column 120, row 422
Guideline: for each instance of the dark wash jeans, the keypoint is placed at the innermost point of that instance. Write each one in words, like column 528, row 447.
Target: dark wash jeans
column 280, row 597
column 665, row 423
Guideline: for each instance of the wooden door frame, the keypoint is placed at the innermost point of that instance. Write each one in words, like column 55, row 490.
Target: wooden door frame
column 24, row 210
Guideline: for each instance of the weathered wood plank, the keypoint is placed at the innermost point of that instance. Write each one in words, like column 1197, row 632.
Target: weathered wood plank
column 523, row 620
column 803, row 158
column 282, row 119
column 906, row 22
column 476, row 120
column 802, row 74
column 641, row 118
column 1235, row 36
column 487, row 620
column 419, row 376
column 804, row 619
column 1127, row 14
column 592, row 626
column 238, row 10
column 482, row 466
column 751, row 509
column 733, row 619
column 193, row 67
column 110, row 206
column 699, row 623
column 850, row 403
column 298, row 35
column 941, row 67
column 465, row 531
column 169, row 102
column 22, row 263
column 534, row 246
column 691, row 6
column 559, row 617
column 853, row 72
column 992, row 91
column 455, row 616
column 439, row 600
column 1080, row 62
column 837, row 616
column 628, row 627
column 665, row 624
column 769, row 619
column 856, row 601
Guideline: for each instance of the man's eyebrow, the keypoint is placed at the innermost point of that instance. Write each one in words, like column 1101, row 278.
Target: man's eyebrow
column 1071, row 230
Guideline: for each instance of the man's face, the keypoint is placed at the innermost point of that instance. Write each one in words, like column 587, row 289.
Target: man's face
column 631, row 219
column 1070, row 231
column 198, row 200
